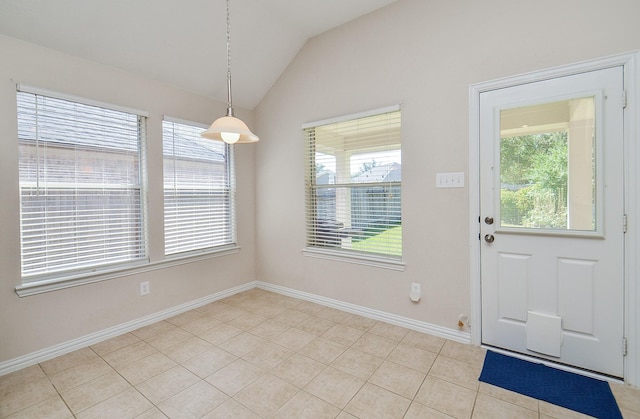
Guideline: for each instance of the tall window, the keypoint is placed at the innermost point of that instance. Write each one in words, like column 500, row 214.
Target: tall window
column 80, row 186
column 353, row 184
column 199, row 191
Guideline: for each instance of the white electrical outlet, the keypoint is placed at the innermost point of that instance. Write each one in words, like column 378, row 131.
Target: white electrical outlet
column 414, row 295
column 450, row 180
column 144, row 288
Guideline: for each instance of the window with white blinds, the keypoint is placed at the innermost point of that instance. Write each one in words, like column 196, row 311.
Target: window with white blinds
column 199, row 190
column 353, row 184
column 81, row 205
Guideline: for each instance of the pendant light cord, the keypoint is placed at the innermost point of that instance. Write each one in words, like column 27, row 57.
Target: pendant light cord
column 229, row 103
column 229, row 129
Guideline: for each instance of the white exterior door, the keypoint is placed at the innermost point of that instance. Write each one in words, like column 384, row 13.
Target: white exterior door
column 552, row 219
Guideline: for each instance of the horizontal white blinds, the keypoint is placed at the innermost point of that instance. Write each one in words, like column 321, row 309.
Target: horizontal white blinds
column 80, row 186
column 198, row 190
column 353, row 185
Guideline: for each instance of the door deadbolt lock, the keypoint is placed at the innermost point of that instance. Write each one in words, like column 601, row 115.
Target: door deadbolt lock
column 489, row 238
column 488, row 220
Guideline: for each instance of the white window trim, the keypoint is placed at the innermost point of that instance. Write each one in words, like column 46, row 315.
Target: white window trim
column 173, row 119
column 78, row 272
column 48, row 285
column 233, row 212
column 373, row 112
column 355, row 258
column 374, row 260
column 78, row 99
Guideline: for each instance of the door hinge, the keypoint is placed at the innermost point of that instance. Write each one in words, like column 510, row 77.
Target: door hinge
column 624, row 346
column 624, row 223
column 624, row 99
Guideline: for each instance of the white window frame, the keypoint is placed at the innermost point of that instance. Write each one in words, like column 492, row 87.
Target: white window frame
column 63, row 278
column 340, row 254
column 82, row 277
column 230, row 218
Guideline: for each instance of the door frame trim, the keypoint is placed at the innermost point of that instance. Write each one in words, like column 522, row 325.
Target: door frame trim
column 631, row 131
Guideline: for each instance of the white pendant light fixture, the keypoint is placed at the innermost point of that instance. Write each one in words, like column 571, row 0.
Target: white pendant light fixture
column 228, row 128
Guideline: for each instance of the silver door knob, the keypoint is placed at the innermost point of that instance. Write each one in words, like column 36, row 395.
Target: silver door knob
column 489, row 238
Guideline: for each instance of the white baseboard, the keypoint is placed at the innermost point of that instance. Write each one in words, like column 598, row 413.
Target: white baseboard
column 97, row 337
column 432, row 329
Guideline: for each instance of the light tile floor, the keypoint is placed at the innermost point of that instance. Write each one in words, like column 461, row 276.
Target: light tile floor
column 259, row 354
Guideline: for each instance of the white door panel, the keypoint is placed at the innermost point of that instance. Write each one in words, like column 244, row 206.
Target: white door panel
column 551, row 201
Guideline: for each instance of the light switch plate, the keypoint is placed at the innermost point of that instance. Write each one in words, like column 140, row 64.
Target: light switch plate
column 450, row 180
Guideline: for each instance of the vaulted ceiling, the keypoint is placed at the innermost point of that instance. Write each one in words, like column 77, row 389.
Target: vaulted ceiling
column 183, row 42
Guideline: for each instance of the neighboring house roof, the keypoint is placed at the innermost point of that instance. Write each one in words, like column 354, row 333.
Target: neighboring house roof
column 390, row 172
column 325, row 177
column 206, row 150
column 200, row 150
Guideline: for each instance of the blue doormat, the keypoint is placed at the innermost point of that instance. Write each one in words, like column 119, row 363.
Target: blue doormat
column 576, row 392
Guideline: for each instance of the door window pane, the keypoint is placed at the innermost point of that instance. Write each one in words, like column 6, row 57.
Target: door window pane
column 548, row 166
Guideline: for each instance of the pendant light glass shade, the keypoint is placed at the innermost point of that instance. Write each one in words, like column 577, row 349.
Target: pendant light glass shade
column 228, row 128
column 231, row 130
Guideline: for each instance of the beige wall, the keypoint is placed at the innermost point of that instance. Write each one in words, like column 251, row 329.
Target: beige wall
column 37, row 322
column 422, row 55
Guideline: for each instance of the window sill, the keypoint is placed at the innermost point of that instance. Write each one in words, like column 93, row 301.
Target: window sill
column 54, row 284
column 356, row 258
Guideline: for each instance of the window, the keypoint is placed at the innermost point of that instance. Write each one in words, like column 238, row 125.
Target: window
column 198, row 190
column 353, row 184
column 80, row 186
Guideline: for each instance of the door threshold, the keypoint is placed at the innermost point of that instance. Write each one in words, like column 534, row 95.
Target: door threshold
column 556, row 365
